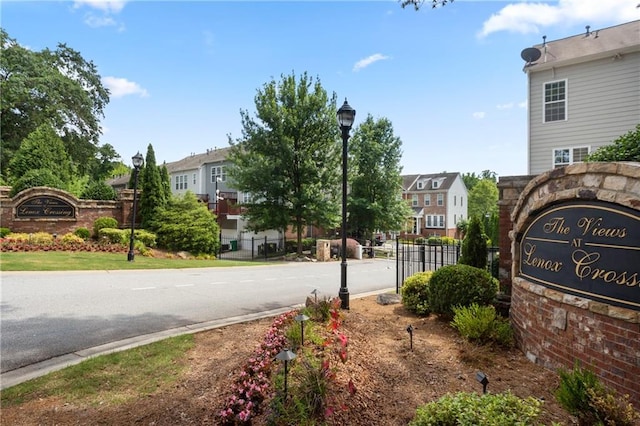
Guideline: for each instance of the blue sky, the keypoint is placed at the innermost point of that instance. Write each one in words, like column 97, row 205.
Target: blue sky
column 450, row 79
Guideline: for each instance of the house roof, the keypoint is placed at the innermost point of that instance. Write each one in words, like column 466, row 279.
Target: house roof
column 195, row 161
column 590, row 45
column 410, row 182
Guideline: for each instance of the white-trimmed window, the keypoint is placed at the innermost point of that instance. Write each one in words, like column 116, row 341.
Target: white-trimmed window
column 181, row 182
column 555, row 101
column 566, row 156
column 440, row 200
column 218, row 172
column 434, row 221
column 427, row 199
column 435, row 184
column 420, row 184
column 414, row 200
column 194, row 179
column 246, row 197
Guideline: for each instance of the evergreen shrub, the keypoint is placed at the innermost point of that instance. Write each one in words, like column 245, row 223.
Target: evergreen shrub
column 83, row 233
column 460, row 285
column 415, row 293
column 103, row 222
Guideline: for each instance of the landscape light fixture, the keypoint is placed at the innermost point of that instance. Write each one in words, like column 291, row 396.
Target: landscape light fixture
column 286, row 355
column 410, row 331
column 346, row 116
column 482, row 379
column 301, row 318
column 138, row 161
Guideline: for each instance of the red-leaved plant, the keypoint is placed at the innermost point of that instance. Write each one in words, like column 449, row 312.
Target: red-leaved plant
column 253, row 384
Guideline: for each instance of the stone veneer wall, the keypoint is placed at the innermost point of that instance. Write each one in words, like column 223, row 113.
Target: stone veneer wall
column 555, row 329
column 87, row 211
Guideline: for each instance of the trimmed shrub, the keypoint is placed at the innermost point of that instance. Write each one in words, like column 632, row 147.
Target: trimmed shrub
column 40, row 238
column 4, row 232
column 114, row 236
column 471, row 409
column 83, row 233
column 481, row 324
column 71, row 239
column 434, row 241
column 36, row 177
column 581, row 394
column 103, row 222
column 460, row 285
column 415, row 293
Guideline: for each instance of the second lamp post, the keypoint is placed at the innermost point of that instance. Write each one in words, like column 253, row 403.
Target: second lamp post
column 346, row 116
column 137, row 161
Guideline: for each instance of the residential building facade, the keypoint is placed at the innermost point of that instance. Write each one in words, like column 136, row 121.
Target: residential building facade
column 583, row 93
column 439, row 202
column 205, row 175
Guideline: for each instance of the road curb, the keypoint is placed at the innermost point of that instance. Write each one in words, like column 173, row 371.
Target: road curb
column 29, row 372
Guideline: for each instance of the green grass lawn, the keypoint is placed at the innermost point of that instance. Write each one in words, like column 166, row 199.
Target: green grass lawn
column 96, row 261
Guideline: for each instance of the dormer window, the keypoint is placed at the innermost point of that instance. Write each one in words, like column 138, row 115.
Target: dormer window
column 435, row 184
column 420, row 184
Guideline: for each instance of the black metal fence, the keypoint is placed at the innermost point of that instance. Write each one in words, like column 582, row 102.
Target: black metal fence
column 251, row 248
column 412, row 258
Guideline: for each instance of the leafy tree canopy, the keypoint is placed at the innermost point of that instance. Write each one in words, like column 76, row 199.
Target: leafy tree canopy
column 288, row 158
column 417, row 4
column 58, row 87
column 375, row 199
column 483, row 199
column 471, row 179
column 42, row 149
column 624, row 148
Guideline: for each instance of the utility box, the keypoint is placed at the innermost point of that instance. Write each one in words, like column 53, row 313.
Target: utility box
column 323, row 250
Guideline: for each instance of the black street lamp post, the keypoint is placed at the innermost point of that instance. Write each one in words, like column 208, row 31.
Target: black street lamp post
column 346, row 116
column 137, row 160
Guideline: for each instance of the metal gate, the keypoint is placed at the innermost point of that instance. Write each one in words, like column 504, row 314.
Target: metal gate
column 412, row 258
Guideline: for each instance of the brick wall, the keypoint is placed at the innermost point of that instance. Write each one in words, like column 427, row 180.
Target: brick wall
column 555, row 329
column 87, row 211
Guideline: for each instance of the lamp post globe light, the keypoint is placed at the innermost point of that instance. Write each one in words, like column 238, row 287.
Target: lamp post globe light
column 137, row 161
column 346, row 116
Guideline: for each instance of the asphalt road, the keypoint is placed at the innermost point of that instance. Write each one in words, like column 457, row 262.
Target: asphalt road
column 53, row 319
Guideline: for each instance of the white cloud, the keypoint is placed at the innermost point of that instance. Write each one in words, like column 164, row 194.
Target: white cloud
column 108, row 6
column 479, row 115
column 505, row 106
column 363, row 63
column 119, row 87
column 531, row 17
column 522, row 104
column 99, row 21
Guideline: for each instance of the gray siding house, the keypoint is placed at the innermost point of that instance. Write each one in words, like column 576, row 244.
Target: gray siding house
column 584, row 92
column 439, row 201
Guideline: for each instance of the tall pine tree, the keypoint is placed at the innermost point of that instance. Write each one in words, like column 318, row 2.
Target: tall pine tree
column 152, row 191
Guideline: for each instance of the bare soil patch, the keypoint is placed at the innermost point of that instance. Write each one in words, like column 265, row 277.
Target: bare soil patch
column 391, row 379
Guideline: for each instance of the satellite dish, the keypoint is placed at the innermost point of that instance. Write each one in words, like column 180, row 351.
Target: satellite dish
column 530, row 54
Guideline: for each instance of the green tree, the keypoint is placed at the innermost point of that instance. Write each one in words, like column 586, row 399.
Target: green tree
column 288, row 158
column 471, row 179
column 474, row 245
column 375, row 199
column 152, row 194
column 186, row 224
column 98, row 190
column 57, row 87
column 417, row 4
column 42, row 149
column 483, row 198
column 624, row 148
column 166, row 182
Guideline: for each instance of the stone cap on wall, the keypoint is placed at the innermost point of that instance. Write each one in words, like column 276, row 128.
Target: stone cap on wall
column 616, row 182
